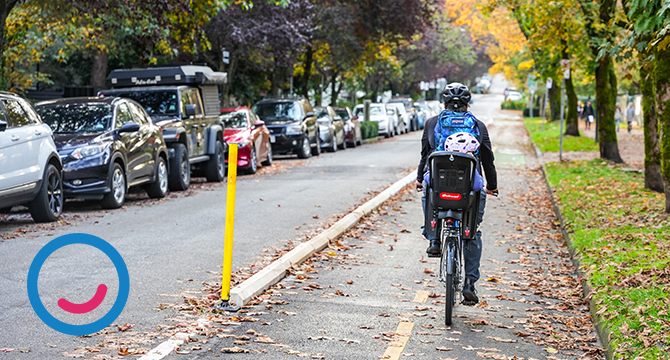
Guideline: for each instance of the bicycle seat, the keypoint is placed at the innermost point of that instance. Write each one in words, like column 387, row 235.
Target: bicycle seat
column 451, row 180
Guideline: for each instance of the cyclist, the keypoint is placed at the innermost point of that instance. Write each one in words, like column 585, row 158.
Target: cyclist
column 456, row 98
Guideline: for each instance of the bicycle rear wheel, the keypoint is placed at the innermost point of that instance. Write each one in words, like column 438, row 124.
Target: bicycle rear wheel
column 449, row 301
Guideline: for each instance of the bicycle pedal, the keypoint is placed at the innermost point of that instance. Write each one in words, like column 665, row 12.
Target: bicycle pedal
column 469, row 303
column 434, row 255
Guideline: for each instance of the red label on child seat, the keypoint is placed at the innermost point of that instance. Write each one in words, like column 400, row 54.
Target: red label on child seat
column 450, row 196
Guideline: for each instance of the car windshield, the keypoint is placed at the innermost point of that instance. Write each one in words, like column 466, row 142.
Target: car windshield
column 278, row 111
column 404, row 102
column 234, row 119
column 344, row 114
column 161, row 103
column 374, row 110
column 77, row 118
column 399, row 106
column 321, row 114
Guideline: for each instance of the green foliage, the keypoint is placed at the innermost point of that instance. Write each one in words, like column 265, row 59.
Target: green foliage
column 513, row 105
column 549, row 139
column 621, row 235
column 369, row 129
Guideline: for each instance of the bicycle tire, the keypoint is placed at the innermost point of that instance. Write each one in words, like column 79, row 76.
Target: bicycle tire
column 449, row 301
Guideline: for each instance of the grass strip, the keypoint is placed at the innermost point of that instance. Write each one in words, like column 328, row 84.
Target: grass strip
column 549, row 139
column 621, row 235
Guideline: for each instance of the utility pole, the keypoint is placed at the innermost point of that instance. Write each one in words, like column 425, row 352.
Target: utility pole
column 565, row 64
column 550, row 84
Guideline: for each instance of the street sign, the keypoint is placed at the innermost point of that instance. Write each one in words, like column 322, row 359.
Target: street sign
column 550, row 83
column 225, row 56
column 565, row 65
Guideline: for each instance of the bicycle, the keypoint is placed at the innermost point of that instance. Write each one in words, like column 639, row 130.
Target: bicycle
column 452, row 202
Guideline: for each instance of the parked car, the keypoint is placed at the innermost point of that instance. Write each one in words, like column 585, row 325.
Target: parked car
column 422, row 113
column 508, row 90
column 396, row 117
column 378, row 114
column 331, row 128
column 292, row 126
column 436, row 106
column 352, row 126
column 405, row 115
column 184, row 102
column 513, row 96
column 107, row 145
column 410, row 116
column 243, row 127
column 30, row 168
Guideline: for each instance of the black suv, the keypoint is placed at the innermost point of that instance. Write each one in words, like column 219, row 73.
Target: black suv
column 106, row 145
column 184, row 102
column 292, row 126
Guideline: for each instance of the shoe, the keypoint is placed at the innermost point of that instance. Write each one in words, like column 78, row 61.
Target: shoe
column 469, row 293
column 435, row 248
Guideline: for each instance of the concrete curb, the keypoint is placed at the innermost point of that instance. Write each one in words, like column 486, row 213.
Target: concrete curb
column 370, row 140
column 602, row 331
column 274, row 272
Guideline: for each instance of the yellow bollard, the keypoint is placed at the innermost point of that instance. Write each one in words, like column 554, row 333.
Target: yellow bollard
column 230, row 225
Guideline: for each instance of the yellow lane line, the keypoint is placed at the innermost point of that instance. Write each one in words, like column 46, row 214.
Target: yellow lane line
column 396, row 347
column 421, row 296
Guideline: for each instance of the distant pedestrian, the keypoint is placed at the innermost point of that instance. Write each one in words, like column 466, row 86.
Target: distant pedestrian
column 630, row 116
column 617, row 116
column 588, row 115
column 580, row 107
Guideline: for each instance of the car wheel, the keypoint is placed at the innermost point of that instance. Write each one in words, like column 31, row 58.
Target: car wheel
column 115, row 198
column 215, row 168
column 268, row 160
column 316, row 151
column 353, row 143
column 158, row 189
column 344, row 144
column 306, row 149
column 48, row 205
column 253, row 162
column 333, row 144
column 179, row 177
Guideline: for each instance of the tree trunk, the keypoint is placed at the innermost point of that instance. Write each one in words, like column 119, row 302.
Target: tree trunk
column 99, row 69
column 278, row 79
column 5, row 7
column 309, row 57
column 225, row 88
column 572, row 119
column 605, row 106
column 662, row 86
column 333, row 83
column 555, row 101
column 652, row 155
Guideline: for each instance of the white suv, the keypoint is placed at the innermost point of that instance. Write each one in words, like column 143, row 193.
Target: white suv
column 30, row 169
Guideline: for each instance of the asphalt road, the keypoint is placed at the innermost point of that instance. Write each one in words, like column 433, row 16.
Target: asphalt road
column 171, row 245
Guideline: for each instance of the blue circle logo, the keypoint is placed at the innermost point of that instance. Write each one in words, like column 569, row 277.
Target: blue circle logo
column 86, row 329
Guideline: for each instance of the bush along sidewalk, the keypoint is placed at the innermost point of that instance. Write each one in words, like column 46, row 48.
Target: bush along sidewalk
column 621, row 236
column 549, row 139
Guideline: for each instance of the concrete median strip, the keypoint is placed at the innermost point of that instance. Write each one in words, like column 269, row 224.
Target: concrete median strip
column 274, row 272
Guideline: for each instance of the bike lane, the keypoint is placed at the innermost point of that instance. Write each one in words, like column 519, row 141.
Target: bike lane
column 373, row 293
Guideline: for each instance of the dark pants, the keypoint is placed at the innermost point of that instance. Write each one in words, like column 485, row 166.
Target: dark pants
column 472, row 258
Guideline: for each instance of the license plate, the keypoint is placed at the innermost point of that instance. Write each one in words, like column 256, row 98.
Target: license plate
column 272, row 139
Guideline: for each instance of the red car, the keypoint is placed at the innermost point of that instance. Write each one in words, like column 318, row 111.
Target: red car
column 243, row 127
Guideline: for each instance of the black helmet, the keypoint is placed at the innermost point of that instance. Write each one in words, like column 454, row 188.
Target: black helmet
column 456, row 92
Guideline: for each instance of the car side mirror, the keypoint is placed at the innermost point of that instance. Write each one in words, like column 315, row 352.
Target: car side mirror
column 129, row 127
column 3, row 126
column 259, row 123
column 355, row 117
column 190, row 110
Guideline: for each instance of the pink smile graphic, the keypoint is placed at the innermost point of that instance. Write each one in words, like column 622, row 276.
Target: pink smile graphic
column 87, row 306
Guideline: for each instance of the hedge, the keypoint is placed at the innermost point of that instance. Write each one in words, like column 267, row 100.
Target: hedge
column 369, row 129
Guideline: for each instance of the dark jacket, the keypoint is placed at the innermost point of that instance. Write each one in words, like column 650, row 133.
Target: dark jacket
column 588, row 110
column 486, row 154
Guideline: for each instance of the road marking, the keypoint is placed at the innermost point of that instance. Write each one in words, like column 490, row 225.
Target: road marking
column 421, row 296
column 396, row 347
